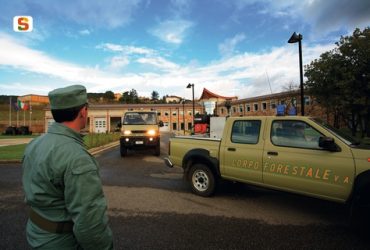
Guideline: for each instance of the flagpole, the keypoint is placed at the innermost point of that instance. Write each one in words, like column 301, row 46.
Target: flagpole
column 10, row 111
column 30, row 109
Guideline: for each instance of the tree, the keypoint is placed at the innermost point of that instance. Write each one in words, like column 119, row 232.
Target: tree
column 129, row 97
column 340, row 81
column 109, row 96
column 155, row 96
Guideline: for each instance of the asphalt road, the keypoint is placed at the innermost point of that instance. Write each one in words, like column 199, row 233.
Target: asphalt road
column 151, row 207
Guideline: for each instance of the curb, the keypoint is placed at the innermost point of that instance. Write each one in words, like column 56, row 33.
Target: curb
column 97, row 150
column 92, row 151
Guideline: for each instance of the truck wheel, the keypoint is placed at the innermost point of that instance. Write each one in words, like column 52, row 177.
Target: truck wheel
column 123, row 151
column 359, row 211
column 202, row 180
column 157, row 149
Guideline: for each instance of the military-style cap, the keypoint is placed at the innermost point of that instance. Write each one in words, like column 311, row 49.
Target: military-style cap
column 68, row 97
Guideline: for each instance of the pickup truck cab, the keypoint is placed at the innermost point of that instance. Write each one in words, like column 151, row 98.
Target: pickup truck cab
column 295, row 154
column 140, row 130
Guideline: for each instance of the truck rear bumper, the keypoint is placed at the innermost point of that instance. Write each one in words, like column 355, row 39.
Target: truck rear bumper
column 168, row 162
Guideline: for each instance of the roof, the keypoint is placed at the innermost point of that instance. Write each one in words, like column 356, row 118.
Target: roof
column 208, row 95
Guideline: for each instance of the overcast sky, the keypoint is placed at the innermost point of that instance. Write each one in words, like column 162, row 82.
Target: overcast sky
column 231, row 47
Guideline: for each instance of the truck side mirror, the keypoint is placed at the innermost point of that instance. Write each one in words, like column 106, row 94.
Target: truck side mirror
column 160, row 123
column 328, row 143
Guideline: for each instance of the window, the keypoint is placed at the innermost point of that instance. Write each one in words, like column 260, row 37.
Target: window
column 297, row 134
column 166, row 113
column 174, row 126
column 234, row 110
column 307, row 100
column 248, row 107
column 245, row 132
column 174, row 114
column 241, row 108
column 264, row 106
column 272, row 105
column 255, row 106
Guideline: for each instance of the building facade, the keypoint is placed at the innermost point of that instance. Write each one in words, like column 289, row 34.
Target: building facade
column 104, row 118
column 34, row 99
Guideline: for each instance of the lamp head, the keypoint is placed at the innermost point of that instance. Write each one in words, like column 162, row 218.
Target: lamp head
column 295, row 38
column 189, row 86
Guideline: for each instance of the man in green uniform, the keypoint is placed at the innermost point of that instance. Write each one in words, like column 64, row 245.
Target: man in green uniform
column 61, row 181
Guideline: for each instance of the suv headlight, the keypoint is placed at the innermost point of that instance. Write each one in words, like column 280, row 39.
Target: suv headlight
column 151, row 132
column 127, row 132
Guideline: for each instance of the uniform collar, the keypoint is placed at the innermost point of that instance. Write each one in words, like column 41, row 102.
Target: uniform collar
column 61, row 129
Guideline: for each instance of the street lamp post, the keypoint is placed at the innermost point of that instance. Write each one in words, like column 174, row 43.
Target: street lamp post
column 297, row 38
column 191, row 85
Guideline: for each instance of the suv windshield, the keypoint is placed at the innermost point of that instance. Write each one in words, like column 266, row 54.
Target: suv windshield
column 349, row 140
column 140, row 118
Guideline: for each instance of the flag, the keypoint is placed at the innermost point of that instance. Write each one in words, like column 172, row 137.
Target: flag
column 15, row 106
column 25, row 106
column 22, row 105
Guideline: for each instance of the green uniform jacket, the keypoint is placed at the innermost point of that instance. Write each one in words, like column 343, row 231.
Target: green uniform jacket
column 61, row 182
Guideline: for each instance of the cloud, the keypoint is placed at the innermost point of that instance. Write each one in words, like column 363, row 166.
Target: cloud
column 181, row 7
column 159, row 63
column 118, row 62
column 172, row 31
column 227, row 48
column 331, row 15
column 85, row 32
column 243, row 75
column 128, row 50
column 104, row 14
column 322, row 16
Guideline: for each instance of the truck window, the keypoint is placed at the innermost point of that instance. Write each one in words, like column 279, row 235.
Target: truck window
column 296, row 134
column 140, row 118
column 245, row 132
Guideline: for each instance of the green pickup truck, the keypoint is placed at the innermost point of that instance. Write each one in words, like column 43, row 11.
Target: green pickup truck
column 296, row 154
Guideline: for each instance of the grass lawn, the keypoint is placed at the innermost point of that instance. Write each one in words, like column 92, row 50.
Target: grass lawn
column 15, row 152
column 16, row 136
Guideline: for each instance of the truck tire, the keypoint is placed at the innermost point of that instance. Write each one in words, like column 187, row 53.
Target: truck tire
column 359, row 210
column 157, row 149
column 202, row 180
column 123, row 151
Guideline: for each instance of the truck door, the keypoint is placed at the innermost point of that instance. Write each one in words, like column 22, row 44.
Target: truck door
column 293, row 161
column 241, row 151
